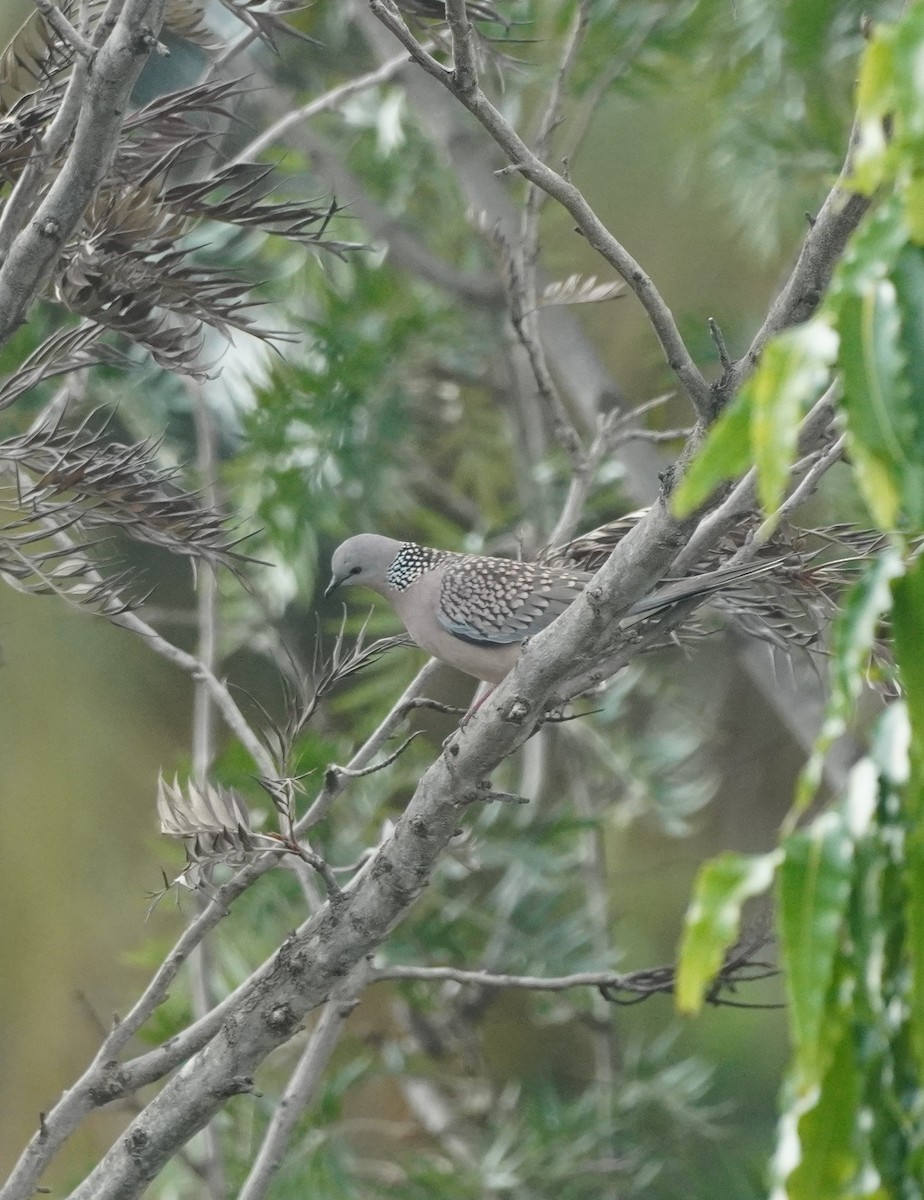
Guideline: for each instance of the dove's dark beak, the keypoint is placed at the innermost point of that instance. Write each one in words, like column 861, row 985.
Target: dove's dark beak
column 332, row 586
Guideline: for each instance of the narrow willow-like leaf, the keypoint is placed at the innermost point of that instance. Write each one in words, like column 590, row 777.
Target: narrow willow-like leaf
column 906, row 85
column 813, row 885
column 762, row 424
column 907, row 619
column 714, row 917
column 853, row 637
column 878, row 403
column 578, row 289
column 828, row 1156
column 793, row 371
column 726, row 454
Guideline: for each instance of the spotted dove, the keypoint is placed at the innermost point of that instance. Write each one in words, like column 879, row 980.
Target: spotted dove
column 474, row 612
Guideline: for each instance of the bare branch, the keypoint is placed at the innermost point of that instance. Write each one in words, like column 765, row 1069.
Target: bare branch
column 741, row 966
column 219, row 692
column 571, row 199
column 333, row 786
column 743, row 497
column 824, row 461
column 203, row 736
column 104, row 1079
column 339, row 773
column 465, row 72
column 800, row 296
column 330, row 99
column 553, row 108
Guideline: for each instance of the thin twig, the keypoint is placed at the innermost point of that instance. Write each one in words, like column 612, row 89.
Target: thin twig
column 808, row 281
column 626, row 55
column 103, row 1080
column 519, row 272
column 592, row 811
column 552, row 114
column 339, row 773
column 583, row 474
column 653, row 981
column 330, row 99
column 743, row 497
column 333, row 787
column 572, row 200
column 719, row 339
column 436, row 705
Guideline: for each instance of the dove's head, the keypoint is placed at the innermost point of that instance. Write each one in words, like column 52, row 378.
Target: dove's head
column 363, row 559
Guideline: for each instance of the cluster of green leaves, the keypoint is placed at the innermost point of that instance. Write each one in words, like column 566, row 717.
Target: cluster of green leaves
column 850, row 883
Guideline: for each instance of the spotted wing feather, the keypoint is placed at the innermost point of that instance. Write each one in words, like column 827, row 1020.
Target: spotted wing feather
column 493, row 601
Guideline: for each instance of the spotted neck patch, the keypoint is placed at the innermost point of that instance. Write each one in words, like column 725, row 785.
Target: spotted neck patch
column 411, row 562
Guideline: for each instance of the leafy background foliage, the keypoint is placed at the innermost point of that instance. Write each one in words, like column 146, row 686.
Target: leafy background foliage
column 390, row 405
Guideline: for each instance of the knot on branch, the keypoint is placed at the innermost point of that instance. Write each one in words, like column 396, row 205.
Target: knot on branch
column 136, row 1142
column 282, row 1019
column 517, row 710
column 147, row 41
column 110, row 1086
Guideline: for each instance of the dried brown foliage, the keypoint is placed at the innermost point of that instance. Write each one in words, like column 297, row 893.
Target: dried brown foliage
column 789, row 607
column 133, row 273
column 131, row 267
column 96, row 480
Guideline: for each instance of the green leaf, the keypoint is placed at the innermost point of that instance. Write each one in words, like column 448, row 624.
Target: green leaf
column 793, row 371
column 908, row 277
column 762, row 423
column 908, row 86
column 907, row 616
column 813, row 886
column 713, row 919
column 725, row 454
column 909, row 647
column 877, row 398
column 881, row 321
column 875, row 89
column 913, row 196
column 875, row 99
column 828, row 1157
column 852, row 638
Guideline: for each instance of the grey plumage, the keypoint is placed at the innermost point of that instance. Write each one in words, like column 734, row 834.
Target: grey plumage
column 473, row 611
